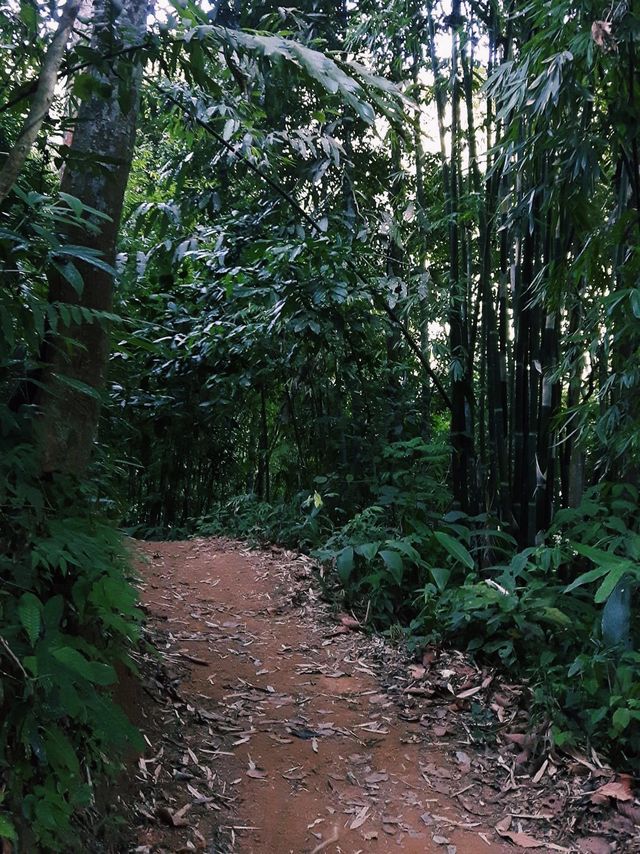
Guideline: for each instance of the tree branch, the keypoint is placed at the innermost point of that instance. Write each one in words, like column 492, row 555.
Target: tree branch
column 41, row 101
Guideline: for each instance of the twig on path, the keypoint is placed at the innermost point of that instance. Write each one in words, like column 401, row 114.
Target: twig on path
column 333, row 838
column 239, row 827
column 466, row 789
column 193, row 659
column 543, row 816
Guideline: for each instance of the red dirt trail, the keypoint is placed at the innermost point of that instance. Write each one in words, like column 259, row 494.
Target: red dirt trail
column 277, row 730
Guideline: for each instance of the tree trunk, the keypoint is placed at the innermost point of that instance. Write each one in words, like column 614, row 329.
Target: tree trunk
column 461, row 399
column 96, row 173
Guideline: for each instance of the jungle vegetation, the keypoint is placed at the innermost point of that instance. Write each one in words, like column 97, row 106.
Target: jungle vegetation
column 358, row 278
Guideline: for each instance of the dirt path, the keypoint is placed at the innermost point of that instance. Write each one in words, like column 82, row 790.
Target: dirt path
column 275, row 728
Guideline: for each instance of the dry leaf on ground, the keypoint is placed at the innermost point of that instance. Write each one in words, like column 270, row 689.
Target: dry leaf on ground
column 620, row 790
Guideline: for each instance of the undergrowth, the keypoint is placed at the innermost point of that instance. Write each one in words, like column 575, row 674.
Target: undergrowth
column 448, row 578
column 67, row 603
column 67, row 616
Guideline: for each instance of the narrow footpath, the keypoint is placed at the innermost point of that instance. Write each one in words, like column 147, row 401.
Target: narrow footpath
column 273, row 724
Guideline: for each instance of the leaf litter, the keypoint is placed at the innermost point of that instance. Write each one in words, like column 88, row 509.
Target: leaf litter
column 380, row 750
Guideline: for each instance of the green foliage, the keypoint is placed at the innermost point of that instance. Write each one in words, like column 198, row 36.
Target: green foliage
column 330, row 332
column 540, row 614
column 300, row 523
column 67, row 617
column 537, row 612
column 68, row 610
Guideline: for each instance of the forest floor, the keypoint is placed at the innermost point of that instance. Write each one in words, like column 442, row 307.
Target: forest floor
column 273, row 724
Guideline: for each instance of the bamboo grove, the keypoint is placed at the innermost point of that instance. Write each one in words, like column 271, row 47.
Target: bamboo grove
column 481, row 249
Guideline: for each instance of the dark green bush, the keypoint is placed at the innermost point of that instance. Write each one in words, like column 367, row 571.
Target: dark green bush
column 67, row 616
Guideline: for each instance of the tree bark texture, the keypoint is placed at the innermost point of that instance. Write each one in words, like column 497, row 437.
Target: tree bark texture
column 96, row 173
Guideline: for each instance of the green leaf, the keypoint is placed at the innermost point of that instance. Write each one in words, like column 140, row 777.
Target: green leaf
column 316, row 65
column 555, row 615
column 60, row 750
column 367, row 550
column 586, row 578
column 598, row 556
column 455, row 549
column 53, row 610
column 78, row 385
column 344, row 564
column 406, row 549
column 440, row 576
column 70, row 272
column 86, row 86
column 607, row 564
column 621, row 719
column 7, row 830
column 92, row 671
column 29, row 612
column 86, row 254
column 604, row 591
column 394, row 564
column 74, row 203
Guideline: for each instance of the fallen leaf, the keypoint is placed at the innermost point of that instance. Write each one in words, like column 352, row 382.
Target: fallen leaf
column 180, row 814
column 294, row 774
column 280, row 739
column 593, row 845
column 440, row 840
column 173, row 819
column 540, row 772
column 302, row 732
column 360, row 818
column 470, row 692
column 619, row 790
column 369, row 835
column 523, row 839
column 429, row 655
column 349, row 622
column 629, row 811
column 416, row 671
column 256, row 774
column 463, row 759
column 201, row 839
column 196, row 794
column 475, row 806
column 377, row 777
column 519, row 738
